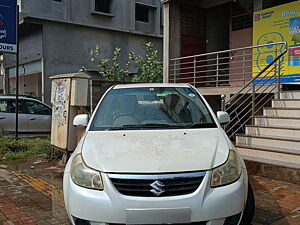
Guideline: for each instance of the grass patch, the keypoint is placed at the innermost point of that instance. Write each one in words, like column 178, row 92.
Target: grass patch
column 11, row 149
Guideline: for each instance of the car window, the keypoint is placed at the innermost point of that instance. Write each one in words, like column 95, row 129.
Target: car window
column 152, row 108
column 37, row 108
column 3, row 105
column 9, row 106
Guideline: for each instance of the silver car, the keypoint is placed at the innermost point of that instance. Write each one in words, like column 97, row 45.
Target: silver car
column 34, row 116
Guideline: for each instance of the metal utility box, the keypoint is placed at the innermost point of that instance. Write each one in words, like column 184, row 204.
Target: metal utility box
column 68, row 92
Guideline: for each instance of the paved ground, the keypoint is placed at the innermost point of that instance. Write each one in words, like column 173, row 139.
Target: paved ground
column 277, row 203
column 28, row 200
column 34, row 196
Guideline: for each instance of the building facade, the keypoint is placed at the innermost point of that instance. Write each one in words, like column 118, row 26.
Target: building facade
column 201, row 26
column 56, row 37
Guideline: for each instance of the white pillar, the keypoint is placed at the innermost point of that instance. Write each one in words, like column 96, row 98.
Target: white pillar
column 166, row 48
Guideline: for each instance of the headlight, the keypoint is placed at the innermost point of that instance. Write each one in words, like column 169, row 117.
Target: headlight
column 228, row 172
column 85, row 176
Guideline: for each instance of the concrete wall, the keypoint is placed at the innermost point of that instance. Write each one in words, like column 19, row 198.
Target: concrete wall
column 30, row 47
column 217, row 30
column 122, row 16
column 67, row 47
column 69, row 29
column 45, row 9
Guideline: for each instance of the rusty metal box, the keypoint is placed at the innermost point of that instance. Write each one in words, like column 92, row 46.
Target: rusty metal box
column 68, row 92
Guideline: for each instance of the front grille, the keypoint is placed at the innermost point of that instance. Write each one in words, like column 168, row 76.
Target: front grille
column 193, row 223
column 157, row 185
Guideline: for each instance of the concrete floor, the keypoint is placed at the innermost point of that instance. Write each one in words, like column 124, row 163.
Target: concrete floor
column 29, row 196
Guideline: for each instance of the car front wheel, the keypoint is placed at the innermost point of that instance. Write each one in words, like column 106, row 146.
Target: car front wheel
column 250, row 207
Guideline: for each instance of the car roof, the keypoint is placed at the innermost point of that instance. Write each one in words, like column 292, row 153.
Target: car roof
column 21, row 97
column 149, row 85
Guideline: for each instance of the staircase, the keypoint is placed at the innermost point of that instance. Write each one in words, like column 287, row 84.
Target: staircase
column 273, row 142
column 270, row 143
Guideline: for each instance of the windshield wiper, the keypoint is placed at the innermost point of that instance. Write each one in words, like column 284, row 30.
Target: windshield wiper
column 162, row 125
column 146, row 125
column 202, row 125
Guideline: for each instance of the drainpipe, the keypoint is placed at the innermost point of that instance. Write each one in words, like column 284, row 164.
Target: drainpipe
column 43, row 80
column 24, row 79
column 2, row 73
column 166, row 49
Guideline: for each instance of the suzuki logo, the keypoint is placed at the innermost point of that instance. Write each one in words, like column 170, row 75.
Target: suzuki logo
column 157, row 188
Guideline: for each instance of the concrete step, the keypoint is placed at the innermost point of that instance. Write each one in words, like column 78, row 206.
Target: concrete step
column 286, row 144
column 280, row 112
column 274, row 131
column 277, row 121
column 290, row 95
column 268, row 157
column 283, row 150
column 290, row 103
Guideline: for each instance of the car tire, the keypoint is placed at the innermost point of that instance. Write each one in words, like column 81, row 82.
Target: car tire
column 250, row 208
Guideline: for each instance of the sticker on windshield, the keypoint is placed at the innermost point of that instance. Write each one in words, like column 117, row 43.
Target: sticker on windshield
column 192, row 95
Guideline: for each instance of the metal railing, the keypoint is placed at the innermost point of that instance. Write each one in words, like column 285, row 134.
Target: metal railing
column 256, row 69
column 255, row 94
column 223, row 68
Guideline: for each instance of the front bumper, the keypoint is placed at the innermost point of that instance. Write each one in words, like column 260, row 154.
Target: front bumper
column 212, row 205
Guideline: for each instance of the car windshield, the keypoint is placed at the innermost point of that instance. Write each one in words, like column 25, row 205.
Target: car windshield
column 152, row 108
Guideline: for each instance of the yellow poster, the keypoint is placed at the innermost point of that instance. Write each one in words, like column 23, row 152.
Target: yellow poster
column 278, row 24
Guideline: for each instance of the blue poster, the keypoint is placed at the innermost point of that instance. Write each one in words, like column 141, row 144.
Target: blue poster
column 8, row 26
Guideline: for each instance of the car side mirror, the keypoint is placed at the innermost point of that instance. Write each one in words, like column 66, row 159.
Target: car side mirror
column 223, row 117
column 81, row 120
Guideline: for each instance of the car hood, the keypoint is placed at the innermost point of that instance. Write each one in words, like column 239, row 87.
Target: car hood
column 155, row 151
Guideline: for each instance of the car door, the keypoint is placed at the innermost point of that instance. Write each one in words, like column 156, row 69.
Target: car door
column 8, row 117
column 39, row 117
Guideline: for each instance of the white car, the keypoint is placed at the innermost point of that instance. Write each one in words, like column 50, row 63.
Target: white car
column 34, row 117
column 156, row 154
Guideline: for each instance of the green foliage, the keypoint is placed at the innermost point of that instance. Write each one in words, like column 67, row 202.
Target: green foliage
column 22, row 148
column 86, row 110
column 16, row 155
column 150, row 67
column 110, row 69
column 31, row 94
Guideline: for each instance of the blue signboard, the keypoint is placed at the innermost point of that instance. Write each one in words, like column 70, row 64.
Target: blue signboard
column 8, row 26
